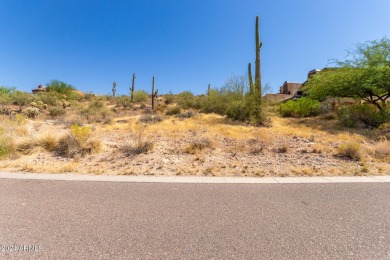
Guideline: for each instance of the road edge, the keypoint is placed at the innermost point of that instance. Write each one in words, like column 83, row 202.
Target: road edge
column 194, row 179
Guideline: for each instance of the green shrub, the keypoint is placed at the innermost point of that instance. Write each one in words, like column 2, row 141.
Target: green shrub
column 186, row 100
column 218, row 101
column 6, row 90
column 57, row 111
column 51, row 99
column 173, row 111
column 140, row 96
column 20, row 98
column 96, row 111
column 247, row 109
column 67, row 91
column 169, row 98
column 123, row 101
column 238, row 110
column 302, row 107
column 366, row 116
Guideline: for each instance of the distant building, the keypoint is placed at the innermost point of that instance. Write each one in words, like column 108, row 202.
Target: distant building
column 287, row 91
column 40, row 89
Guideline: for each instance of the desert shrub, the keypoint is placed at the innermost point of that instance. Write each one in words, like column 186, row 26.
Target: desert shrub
column 137, row 143
column 7, row 145
column 140, row 96
column 57, row 111
column 32, row 112
column 51, row 99
column 187, row 114
column 186, row 100
column 198, row 145
column 169, row 99
column 302, row 107
column 149, row 118
column 6, row 90
column 48, row 141
column 366, row 116
column 123, row 101
column 65, row 90
column 247, row 109
column 20, row 98
column 96, row 111
column 5, row 95
column 238, row 110
column 38, row 104
column 173, row 111
column 350, row 151
column 218, row 101
column 78, row 142
column 382, row 150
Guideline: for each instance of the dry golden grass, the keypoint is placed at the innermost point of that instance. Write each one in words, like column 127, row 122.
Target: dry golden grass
column 350, row 151
column 382, row 150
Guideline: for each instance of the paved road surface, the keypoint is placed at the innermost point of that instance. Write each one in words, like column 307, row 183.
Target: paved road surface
column 103, row 220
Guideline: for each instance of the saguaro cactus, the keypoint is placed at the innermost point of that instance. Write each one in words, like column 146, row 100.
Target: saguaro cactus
column 258, row 62
column 113, row 88
column 251, row 90
column 208, row 90
column 154, row 93
column 132, row 89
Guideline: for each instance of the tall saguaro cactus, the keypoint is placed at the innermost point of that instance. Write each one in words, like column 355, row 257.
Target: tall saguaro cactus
column 258, row 62
column 208, row 90
column 154, row 94
column 132, row 89
column 113, row 88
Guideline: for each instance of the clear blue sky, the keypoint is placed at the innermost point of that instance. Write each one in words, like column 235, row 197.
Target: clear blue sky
column 185, row 44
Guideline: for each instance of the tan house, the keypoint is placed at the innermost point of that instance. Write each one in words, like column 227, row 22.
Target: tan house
column 287, row 91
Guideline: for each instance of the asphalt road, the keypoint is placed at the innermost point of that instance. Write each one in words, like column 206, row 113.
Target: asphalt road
column 105, row 220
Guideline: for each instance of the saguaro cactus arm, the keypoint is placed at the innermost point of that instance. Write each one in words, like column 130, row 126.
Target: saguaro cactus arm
column 251, row 90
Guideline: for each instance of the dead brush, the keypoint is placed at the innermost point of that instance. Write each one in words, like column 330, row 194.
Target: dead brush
column 382, row 150
column 138, row 143
column 260, row 141
column 198, row 141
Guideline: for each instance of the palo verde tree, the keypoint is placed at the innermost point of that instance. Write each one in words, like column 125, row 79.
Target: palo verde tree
column 365, row 75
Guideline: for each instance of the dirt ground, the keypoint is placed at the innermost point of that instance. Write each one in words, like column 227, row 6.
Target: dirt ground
column 205, row 145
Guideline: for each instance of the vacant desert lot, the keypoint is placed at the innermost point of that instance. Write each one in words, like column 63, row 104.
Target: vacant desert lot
column 201, row 145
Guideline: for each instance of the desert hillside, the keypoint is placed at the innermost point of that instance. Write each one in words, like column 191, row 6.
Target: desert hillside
column 106, row 135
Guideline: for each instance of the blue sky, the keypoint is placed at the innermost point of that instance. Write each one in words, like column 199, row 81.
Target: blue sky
column 185, row 44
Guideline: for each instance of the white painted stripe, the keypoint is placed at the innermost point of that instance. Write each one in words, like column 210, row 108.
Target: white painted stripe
column 192, row 179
